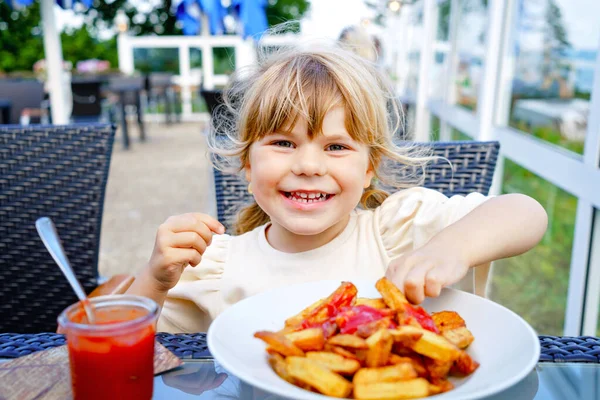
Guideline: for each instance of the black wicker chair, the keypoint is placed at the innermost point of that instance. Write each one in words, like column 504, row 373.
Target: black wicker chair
column 471, row 170
column 60, row 172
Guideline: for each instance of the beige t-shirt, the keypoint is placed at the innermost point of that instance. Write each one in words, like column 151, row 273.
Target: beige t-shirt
column 236, row 267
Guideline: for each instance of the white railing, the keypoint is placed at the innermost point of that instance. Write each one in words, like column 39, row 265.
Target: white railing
column 244, row 55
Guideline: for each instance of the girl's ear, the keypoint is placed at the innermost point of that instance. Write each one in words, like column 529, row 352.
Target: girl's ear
column 247, row 172
column 369, row 177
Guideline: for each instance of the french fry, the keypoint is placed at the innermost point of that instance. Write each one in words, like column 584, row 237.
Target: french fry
column 432, row 345
column 440, row 386
column 343, row 296
column 415, row 360
column 346, row 340
column 302, row 315
column 279, row 343
column 392, row 296
column 410, row 389
column 380, row 348
column 436, row 369
column 342, row 352
column 406, row 337
column 375, row 303
column 453, row 327
column 392, row 355
column 445, row 320
column 279, row 365
column 334, row 362
column 460, row 337
column 370, row 328
column 308, row 339
column 393, row 373
column 464, row 365
column 316, row 375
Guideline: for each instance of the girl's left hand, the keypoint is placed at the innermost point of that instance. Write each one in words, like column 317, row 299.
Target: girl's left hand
column 425, row 271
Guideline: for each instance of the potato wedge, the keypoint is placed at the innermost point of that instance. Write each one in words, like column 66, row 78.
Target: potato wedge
column 279, row 343
column 316, row 375
column 302, row 315
column 343, row 296
column 410, row 389
column 406, row 337
column 464, row 365
column 346, row 340
column 392, row 296
column 415, row 360
column 440, row 386
column 437, row 369
column 447, row 320
column 311, row 339
column 432, row 345
column 279, row 365
column 366, row 330
column 461, row 337
column 375, row 303
column 334, row 362
column 380, row 348
column 341, row 351
column 393, row 373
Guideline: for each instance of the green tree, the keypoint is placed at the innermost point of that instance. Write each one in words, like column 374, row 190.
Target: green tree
column 21, row 43
column 20, row 38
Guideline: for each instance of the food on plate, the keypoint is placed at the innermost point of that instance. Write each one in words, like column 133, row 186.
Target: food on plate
column 386, row 348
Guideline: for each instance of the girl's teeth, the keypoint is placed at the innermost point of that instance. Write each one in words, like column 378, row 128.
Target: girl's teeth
column 302, row 197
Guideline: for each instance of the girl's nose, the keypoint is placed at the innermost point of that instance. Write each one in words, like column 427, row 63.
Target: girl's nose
column 309, row 161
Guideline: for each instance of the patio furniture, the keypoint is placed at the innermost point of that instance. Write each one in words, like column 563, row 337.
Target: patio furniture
column 26, row 97
column 559, row 349
column 471, row 170
column 87, row 100
column 160, row 90
column 128, row 91
column 59, row 172
column 576, row 376
column 5, row 107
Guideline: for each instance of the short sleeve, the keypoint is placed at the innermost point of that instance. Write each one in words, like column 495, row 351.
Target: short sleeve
column 408, row 219
column 196, row 299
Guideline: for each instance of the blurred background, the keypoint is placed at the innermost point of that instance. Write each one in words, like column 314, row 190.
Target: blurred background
column 523, row 72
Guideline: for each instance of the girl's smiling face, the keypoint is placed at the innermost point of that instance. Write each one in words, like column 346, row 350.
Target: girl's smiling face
column 309, row 184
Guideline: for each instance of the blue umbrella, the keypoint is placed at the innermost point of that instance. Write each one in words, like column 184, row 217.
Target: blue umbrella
column 252, row 14
column 188, row 14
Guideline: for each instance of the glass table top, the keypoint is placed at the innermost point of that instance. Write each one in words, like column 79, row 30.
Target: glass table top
column 204, row 379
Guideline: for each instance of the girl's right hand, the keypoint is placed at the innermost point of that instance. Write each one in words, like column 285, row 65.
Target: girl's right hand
column 180, row 241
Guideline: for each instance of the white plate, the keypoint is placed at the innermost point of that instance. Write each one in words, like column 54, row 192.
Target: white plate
column 506, row 347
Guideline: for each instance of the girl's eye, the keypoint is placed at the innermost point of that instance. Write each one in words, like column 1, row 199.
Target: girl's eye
column 283, row 143
column 336, row 147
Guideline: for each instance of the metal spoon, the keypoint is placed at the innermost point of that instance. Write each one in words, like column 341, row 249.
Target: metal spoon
column 47, row 231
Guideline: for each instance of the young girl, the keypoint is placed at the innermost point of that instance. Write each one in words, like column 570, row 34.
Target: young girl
column 310, row 129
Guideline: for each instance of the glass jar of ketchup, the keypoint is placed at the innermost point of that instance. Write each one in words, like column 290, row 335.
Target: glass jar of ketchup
column 114, row 357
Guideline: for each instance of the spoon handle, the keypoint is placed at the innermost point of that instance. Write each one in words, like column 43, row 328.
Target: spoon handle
column 47, row 231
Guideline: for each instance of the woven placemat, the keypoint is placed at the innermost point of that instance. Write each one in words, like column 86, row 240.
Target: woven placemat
column 46, row 375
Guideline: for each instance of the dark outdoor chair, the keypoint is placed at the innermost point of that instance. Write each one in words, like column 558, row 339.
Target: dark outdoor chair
column 471, row 170
column 160, row 90
column 26, row 97
column 87, row 101
column 59, row 172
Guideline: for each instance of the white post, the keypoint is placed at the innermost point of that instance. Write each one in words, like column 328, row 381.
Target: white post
column 245, row 53
column 125, row 52
column 185, row 79
column 422, row 118
column 54, row 65
column 208, row 68
column 451, row 67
